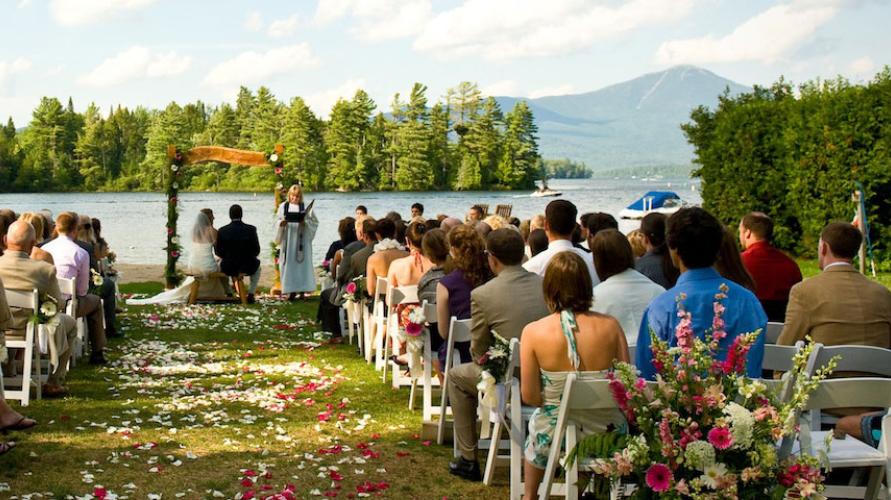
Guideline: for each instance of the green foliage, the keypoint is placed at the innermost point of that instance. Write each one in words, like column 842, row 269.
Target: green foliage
column 797, row 156
column 566, row 169
column 464, row 142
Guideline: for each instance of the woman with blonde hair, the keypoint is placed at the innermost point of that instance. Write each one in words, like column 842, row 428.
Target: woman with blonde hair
column 295, row 229
column 37, row 222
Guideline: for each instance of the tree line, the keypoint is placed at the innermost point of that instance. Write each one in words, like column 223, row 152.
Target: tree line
column 462, row 142
column 798, row 154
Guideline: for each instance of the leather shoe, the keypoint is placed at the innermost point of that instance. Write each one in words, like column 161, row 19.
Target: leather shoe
column 251, row 299
column 465, row 469
column 97, row 358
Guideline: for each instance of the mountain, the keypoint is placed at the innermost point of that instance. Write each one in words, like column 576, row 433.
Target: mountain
column 629, row 124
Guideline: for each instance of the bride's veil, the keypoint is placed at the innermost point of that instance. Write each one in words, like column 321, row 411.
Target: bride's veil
column 202, row 231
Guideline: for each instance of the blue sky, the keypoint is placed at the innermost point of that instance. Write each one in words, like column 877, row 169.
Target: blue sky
column 149, row 52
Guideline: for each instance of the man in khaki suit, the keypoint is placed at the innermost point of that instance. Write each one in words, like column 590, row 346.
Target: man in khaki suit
column 19, row 272
column 505, row 305
column 839, row 306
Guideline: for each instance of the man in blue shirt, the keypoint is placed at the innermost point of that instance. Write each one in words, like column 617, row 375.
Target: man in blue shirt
column 694, row 240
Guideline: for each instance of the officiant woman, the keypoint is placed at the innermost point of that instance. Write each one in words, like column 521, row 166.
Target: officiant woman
column 294, row 232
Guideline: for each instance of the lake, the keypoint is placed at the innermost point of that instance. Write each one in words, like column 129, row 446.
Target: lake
column 133, row 223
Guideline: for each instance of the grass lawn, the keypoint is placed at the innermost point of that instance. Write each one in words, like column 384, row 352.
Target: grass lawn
column 810, row 267
column 218, row 401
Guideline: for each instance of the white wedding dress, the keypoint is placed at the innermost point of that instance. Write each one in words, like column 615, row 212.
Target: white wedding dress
column 201, row 261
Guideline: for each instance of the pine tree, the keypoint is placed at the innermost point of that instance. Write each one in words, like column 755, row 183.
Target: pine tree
column 305, row 156
column 480, row 147
column 10, row 156
column 267, row 125
column 340, row 145
column 91, row 150
column 520, row 160
column 168, row 127
column 245, row 107
column 413, row 169
column 440, row 148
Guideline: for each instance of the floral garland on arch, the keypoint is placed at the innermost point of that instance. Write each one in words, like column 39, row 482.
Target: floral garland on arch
column 704, row 430
column 173, row 248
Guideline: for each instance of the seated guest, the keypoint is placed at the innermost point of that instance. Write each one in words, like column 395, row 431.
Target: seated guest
column 598, row 222
column 583, row 224
column 450, row 223
column 408, row 270
column 569, row 340
column 656, row 263
column 475, row 213
column 346, row 231
column 106, row 291
column 538, row 242
column 577, row 239
column 495, row 222
column 537, row 222
column 505, row 305
column 470, row 270
column 331, row 298
column 72, row 261
column 432, row 224
column 10, row 420
column 435, row 250
column 386, row 250
column 729, row 263
column 839, row 306
column 361, row 211
column 238, row 247
column 624, row 293
column 694, row 240
column 559, row 224
column 417, row 210
column 20, row 272
column 37, row 222
column 638, row 243
column 773, row 271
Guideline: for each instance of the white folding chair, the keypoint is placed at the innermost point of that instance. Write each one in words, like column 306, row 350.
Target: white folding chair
column 428, row 381
column 355, row 322
column 68, row 286
column 378, row 323
column 519, row 416
column 499, row 417
column 459, row 331
column 857, row 392
column 579, row 395
column 27, row 300
column 395, row 297
column 773, row 332
column 861, row 359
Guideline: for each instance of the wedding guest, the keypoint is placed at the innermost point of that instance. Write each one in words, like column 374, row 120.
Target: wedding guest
column 346, row 231
column 839, row 306
column 435, row 250
column 470, row 270
column 417, row 210
column 450, row 223
column 495, row 222
column 21, row 272
column 37, row 222
column 476, row 213
column 538, row 242
column 505, row 304
column 432, row 224
column 524, row 233
column 48, row 225
column 537, row 222
column 331, row 299
column 583, row 224
column 638, row 243
column 106, row 291
column 599, row 221
column 386, row 251
column 481, row 227
column 559, row 224
column 10, row 420
column 624, row 293
column 694, row 240
column 355, row 265
column 361, row 210
column 774, row 272
column 104, row 253
column 577, row 240
column 656, row 263
column 514, row 221
column 295, row 242
column 571, row 339
column 729, row 263
column 72, row 261
column 408, row 270
column 238, row 247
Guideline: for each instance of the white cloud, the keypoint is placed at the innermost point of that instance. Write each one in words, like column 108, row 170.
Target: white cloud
column 501, row 88
column 135, row 63
column 24, row 3
column 862, row 67
column 322, row 102
column 256, row 67
column 508, row 29
column 563, row 89
column 254, row 21
column 378, row 19
column 55, row 70
column 10, row 69
column 82, row 12
column 766, row 37
column 283, row 27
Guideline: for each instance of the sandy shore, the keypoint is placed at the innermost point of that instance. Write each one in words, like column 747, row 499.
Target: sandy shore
column 139, row 273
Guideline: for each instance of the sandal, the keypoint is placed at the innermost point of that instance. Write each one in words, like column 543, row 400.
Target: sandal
column 22, row 424
column 4, row 447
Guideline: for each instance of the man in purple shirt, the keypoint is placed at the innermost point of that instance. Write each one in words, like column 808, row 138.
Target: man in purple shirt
column 72, row 261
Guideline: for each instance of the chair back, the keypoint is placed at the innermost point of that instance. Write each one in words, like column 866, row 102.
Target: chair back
column 380, row 289
column 459, row 330
column 779, row 357
column 429, row 312
column 403, row 295
column 857, row 358
column 504, row 210
column 860, row 392
column 773, row 332
column 586, row 394
column 22, row 299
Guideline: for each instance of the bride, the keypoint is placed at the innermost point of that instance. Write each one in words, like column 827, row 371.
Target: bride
column 202, row 262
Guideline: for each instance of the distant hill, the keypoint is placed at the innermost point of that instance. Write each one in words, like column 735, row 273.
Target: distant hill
column 629, row 124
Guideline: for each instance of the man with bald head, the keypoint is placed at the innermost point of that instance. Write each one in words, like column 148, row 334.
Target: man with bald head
column 20, row 272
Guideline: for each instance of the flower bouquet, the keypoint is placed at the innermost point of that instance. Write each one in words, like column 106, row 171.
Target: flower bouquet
column 411, row 327
column 494, row 363
column 703, row 430
column 47, row 313
column 355, row 290
column 96, row 280
column 324, row 275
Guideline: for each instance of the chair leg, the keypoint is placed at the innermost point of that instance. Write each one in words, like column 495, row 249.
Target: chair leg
column 238, row 283
column 411, row 394
column 494, row 447
column 193, row 291
column 874, row 484
column 572, row 473
column 517, row 441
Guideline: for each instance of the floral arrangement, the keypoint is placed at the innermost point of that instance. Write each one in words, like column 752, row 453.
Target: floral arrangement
column 96, row 281
column 495, row 363
column 47, row 312
column 355, row 290
column 704, row 430
column 323, row 271
column 411, row 325
column 173, row 247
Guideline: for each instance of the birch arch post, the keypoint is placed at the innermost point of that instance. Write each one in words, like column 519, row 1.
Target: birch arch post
column 202, row 154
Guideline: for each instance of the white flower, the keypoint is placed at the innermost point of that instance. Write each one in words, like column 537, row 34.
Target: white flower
column 175, row 185
column 713, row 474
column 416, row 316
column 273, row 158
column 174, row 168
column 96, row 278
column 49, row 309
column 742, row 424
column 388, row 244
column 700, row 454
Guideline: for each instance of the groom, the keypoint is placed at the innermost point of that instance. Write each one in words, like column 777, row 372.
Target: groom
column 238, row 247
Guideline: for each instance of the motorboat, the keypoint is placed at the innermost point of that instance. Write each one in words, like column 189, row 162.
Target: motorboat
column 663, row 202
column 544, row 191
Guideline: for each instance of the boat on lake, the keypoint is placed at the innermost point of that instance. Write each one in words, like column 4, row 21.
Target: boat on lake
column 663, row 202
column 544, row 191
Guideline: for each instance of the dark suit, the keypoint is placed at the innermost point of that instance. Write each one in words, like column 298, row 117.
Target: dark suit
column 238, row 247
column 106, row 291
column 351, row 267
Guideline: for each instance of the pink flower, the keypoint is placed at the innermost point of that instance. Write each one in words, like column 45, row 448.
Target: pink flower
column 720, row 438
column 100, row 492
column 351, row 287
column 413, row 329
column 659, row 477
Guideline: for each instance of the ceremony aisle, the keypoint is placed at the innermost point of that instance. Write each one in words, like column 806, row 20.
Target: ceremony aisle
column 217, row 401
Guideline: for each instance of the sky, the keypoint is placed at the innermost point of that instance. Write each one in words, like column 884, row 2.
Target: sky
column 151, row 52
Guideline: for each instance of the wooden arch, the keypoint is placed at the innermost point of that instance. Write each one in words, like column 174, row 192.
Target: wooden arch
column 177, row 160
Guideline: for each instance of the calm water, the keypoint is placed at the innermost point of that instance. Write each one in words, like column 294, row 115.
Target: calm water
column 133, row 223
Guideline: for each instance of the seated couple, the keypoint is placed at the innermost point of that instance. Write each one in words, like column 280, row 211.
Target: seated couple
column 232, row 250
